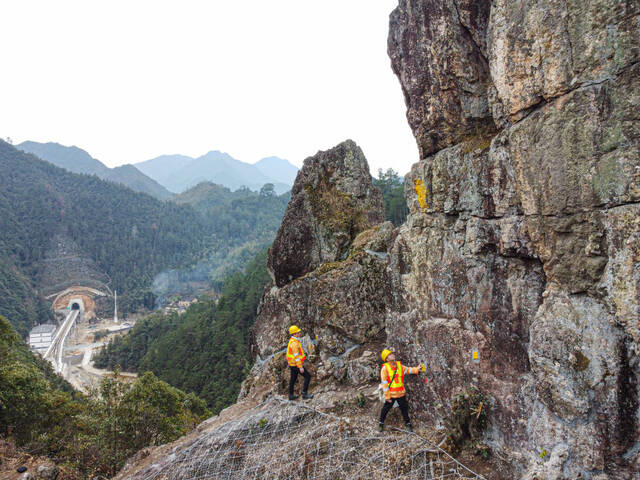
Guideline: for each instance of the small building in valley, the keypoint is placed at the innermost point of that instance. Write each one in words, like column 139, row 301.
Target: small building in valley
column 41, row 337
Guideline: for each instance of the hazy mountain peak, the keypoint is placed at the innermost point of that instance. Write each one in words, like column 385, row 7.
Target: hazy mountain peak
column 278, row 168
column 77, row 160
column 72, row 158
column 179, row 173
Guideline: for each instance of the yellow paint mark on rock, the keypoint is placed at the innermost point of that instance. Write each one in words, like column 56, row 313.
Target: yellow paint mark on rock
column 421, row 190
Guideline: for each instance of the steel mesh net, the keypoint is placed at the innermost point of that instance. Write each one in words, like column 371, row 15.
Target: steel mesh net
column 285, row 440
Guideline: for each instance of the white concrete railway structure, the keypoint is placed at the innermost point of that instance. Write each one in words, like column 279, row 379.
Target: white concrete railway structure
column 56, row 349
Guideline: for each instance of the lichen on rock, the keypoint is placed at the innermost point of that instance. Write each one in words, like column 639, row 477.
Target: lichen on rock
column 438, row 51
column 333, row 200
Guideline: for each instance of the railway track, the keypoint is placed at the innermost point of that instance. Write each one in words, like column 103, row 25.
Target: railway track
column 55, row 351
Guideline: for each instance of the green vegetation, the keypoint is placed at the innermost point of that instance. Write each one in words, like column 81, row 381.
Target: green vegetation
column 336, row 210
column 127, row 351
column 99, row 335
column 18, row 299
column 96, row 433
column 467, row 418
column 242, row 224
column 392, row 187
column 205, row 350
column 543, row 453
column 132, row 237
column 121, row 418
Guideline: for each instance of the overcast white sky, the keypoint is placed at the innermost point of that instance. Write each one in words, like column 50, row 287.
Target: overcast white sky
column 131, row 80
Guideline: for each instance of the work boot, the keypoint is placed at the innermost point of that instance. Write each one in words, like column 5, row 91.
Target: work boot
column 409, row 427
column 380, row 427
column 307, row 396
column 293, row 397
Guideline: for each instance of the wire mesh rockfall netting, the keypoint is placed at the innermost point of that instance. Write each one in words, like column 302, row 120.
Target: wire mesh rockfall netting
column 285, row 440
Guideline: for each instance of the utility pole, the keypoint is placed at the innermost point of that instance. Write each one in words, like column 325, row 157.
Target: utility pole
column 115, row 307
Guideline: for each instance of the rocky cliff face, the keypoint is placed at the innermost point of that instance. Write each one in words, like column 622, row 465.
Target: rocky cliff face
column 524, row 231
column 523, row 240
column 330, row 271
column 332, row 200
column 523, row 236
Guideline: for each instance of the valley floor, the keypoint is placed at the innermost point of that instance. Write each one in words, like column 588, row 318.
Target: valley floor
column 80, row 348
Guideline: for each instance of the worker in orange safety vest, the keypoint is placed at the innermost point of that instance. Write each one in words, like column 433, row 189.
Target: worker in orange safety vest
column 296, row 358
column 392, row 378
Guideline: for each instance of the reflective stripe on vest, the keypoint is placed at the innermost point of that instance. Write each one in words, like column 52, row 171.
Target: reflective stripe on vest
column 397, row 385
column 299, row 355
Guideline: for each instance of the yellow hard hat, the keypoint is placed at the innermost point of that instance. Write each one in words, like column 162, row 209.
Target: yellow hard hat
column 385, row 353
column 293, row 329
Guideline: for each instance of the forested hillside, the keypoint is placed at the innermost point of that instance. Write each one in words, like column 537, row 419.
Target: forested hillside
column 77, row 160
column 204, row 350
column 242, row 223
column 74, row 159
column 240, row 214
column 131, row 236
column 18, row 299
column 131, row 177
column 91, row 434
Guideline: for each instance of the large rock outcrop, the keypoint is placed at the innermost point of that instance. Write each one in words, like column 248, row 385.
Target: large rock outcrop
column 438, row 50
column 332, row 201
column 522, row 241
column 329, row 267
column 541, row 49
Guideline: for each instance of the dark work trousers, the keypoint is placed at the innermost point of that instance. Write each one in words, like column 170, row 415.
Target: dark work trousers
column 294, row 377
column 404, row 408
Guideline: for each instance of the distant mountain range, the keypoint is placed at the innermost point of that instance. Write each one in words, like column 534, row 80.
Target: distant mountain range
column 279, row 169
column 163, row 176
column 76, row 160
column 178, row 173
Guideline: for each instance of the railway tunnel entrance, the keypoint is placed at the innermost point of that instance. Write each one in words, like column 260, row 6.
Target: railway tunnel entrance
column 76, row 303
column 85, row 298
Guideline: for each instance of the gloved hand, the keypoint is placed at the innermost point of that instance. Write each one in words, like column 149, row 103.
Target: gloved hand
column 423, row 367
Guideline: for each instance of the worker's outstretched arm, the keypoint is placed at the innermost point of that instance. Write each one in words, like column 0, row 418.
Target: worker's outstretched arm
column 384, row 379
column 414, row 370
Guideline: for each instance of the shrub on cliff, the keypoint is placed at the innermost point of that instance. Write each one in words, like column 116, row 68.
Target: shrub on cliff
column 467, row 418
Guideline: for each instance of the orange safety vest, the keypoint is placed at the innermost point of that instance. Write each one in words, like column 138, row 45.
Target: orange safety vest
column 397, row 386
column 295, row 353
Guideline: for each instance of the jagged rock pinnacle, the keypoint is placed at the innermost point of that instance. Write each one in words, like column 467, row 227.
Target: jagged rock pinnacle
column 332, row 201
